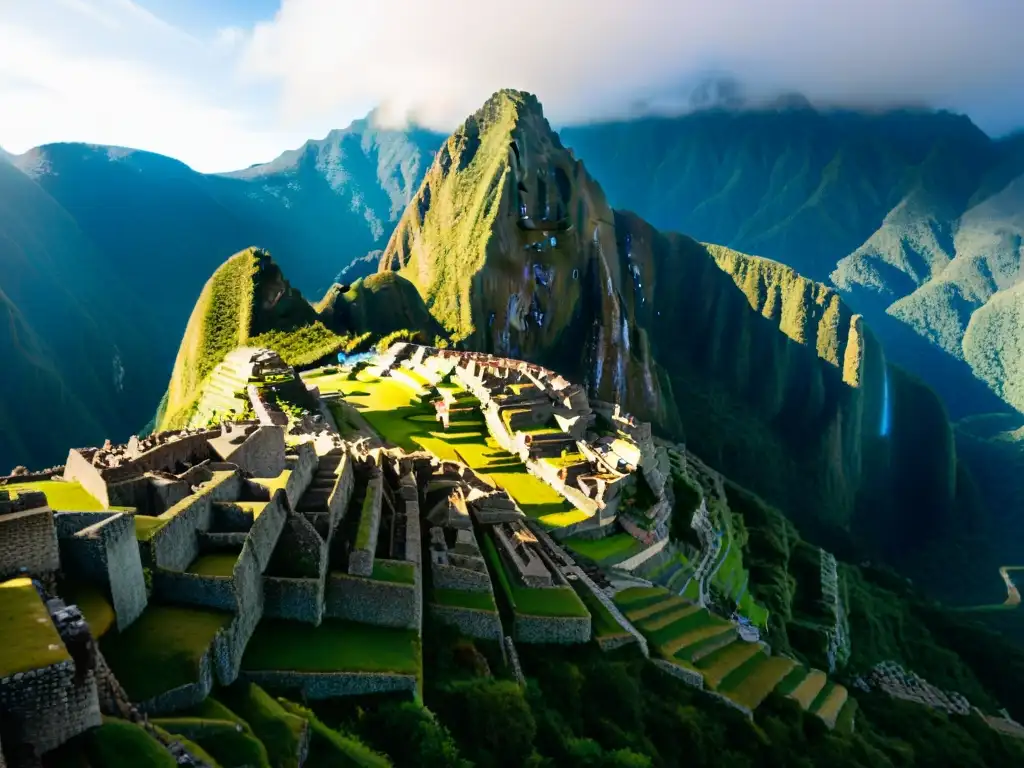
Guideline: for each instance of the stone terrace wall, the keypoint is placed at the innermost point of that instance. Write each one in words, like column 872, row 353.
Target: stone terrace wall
column 329, row 685
column 266, row 529
column 690, row 677
column 49, row 707
column 360, row 561
column 294, row 599
column 184, row 696
column 341, row 495
column 28, row 540
column 79, row 469
column 106, row 552
column 369, row 601
column 482, row 624
column 229, row 647
column 544, row 629
column 193, row 589
column 175, row 545
column 262, row 454
column 450, row 577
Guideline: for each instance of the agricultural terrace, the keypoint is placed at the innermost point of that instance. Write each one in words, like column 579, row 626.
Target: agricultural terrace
column 608, row 551
column 395, row 571
column 334, row 646
column 461, row 598
column 30, row 641
column 395, row 411
column 163, row 648
column 214, row 564
column 61, row 496
column 93, row 603
column 527, row 601
column 603, row 624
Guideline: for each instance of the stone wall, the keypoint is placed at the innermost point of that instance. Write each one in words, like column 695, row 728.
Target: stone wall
column 28, row 540
column 341, row 495
column 266, row 529
column 329, row 685
column 294, row 599
column 360, row 561
column 105, row 552
column 473, row 623
column 562, row 630
column 369, row 601
column 47, row 707
column 79, row 469
column 688, row 676
column 175, row 545
column 193, row 589
column 262, row 453
column 449, row 577
column 184, row 696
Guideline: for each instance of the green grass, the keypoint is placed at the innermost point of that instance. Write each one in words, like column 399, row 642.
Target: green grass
column 61, row 496
column 214, row 564
column 637, row 597
column 330, row 749
column 334, row 646
column 392, row 411
column 230, row 745
column 30, row 641
column 281, row 732
column 146, row 526
column 119, row 742
column 163, row 648
column 603, row 623
column 611, row 549
column 194, row 749
column 304, row 345
column 461, row 598
column 93, row 604
column 366, row 521
column 555, row 601
column 395, row 571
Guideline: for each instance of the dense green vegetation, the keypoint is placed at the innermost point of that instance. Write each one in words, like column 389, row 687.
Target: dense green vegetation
column 33, row 641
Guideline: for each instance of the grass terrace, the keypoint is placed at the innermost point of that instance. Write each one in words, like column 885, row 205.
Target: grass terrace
column 119, row 742
column 609, row 550
column 146, row 526
column 30, row 641
column 461, row 598
column 402, row 420
column 552, row 601
column 395, row 571
column 329, row 748
column 163, row 648
column 334, row 646
column 365, row 529
column 61, row 496
column 93, row 604
column 604, row 625
column 214, row 564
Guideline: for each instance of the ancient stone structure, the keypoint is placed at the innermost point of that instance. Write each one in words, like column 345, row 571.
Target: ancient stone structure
column 28, row 539
column 891, row 678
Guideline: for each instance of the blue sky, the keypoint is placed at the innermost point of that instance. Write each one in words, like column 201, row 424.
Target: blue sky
column 222, row 84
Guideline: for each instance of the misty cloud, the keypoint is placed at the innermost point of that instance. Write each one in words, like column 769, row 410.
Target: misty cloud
column 590, row 59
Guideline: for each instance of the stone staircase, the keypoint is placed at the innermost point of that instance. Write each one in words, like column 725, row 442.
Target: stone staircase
column 313, row 503
column 224, row 392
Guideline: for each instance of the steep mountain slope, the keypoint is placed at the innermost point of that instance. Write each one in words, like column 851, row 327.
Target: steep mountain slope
column 378, row 304
column 515, row 250
column 914, row 216
column 74, row 370
column 91, row 237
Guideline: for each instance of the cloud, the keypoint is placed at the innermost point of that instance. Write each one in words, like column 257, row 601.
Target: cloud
column 110, row 72
column 595, row 58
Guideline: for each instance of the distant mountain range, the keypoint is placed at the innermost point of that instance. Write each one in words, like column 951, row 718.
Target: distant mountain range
column 912, row 215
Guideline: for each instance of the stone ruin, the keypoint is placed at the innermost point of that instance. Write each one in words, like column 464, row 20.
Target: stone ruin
column 892, row 679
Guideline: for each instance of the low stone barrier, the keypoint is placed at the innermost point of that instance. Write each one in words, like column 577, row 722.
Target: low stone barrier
column 485, row 625
column 328, row 685
column 175, row 544
column 449, row 577
column 360, row 561
column 690, row 677
column 561, row 630
column 368, row 601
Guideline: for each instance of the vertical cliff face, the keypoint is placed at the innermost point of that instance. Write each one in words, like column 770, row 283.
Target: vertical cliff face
column 766, row 374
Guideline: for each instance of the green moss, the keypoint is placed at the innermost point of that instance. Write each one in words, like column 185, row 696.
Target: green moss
column 333, row 646
column 281, row 731
column 162, row 649
column 230, row 745
column 603, row 623
column 395, row 571
column 332, row 749
column 30, row 641
column 214, row 564
column 461, row 598
column 194, row 749
column 553, row 601
column 118, row 742
column 146, row 526
column 366, row 522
